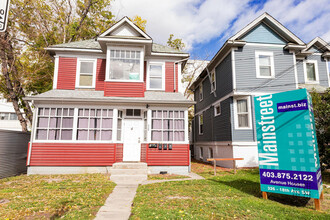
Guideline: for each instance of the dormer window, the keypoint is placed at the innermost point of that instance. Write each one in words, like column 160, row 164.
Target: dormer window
column 125, row 65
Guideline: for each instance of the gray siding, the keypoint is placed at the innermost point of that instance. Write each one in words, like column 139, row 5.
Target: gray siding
column 263, row 34
column 246, row 79
column 222, row 123
column 13, row 152
column 322, row 69
column 244, row 134
column 224, row 85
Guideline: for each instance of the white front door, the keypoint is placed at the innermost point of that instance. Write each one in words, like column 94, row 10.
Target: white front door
column 132, row 136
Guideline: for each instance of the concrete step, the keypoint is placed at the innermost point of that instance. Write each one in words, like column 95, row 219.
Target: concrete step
column 116, row 171
column 130, row 165
column 128, row 179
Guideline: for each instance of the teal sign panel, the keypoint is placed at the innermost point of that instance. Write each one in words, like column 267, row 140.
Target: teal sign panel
column 287, row 148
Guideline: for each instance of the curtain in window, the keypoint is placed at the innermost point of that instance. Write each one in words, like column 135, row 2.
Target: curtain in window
column 310, row 67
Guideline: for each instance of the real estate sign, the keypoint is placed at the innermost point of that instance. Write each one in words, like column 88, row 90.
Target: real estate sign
column 287, row 147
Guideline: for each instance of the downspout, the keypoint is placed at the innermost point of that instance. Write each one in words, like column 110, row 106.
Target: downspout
column 179, row 61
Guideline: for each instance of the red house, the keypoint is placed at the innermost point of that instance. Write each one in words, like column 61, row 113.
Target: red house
column 114, row 99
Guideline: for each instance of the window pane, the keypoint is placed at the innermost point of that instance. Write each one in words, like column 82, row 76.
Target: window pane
column 242, row 106
column 67, row 123
column 106, row 135
column 243, row 120
column 52, row 123
column 137, row 112
column 86, row 67
column 41, row 134
column 156, row 83
column 179, row 124
column 82, row 134
column 156, row 136
column 13, row 116
column 66, row 135
column 156, row 124
column 264, row 60
column 156, row 70
column 86, row 80
column 42, row 122
column 129, row 112
column 107, row 123
column 310, row 67
column 179, row 136
column 83, row 123
column 265, row 71
column 54, row 134
column 125, row 69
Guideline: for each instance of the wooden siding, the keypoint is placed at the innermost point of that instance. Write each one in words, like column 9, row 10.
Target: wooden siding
column 124, row 89
column 263, row 34
column 72, row 154
column 143, row 152
column 100, row 74
column 169, row 77
column 222, row 123
column 119, row 152
column 67, row 73
column 179, row 156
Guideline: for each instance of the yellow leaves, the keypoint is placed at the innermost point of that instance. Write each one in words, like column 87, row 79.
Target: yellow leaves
column 138, row 21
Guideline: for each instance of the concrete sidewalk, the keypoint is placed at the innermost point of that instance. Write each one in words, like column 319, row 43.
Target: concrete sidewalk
column 118, row 205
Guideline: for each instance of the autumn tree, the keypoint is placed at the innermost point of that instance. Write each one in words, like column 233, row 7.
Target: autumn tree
column 175, row 43
column 138, row 21
column 34, row 25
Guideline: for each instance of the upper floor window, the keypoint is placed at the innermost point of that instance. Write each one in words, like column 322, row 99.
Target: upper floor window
column 217, row 109
column 156, row 76
column 265, row 64
column 213, row 81
column 125, row 65
column 86, row 70
column 311, row 71
column 242, row 113
column 201, row 91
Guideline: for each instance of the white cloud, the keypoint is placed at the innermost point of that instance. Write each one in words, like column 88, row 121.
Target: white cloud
column 199, row 21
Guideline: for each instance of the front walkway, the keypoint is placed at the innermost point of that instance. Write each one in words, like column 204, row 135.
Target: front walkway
column 118, row 204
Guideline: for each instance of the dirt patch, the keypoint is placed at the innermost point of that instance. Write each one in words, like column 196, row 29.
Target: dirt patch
column 53, row 180
column 178, row 197
column 4, row 201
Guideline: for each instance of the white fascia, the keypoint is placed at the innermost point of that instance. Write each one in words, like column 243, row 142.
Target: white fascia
column 55, row 72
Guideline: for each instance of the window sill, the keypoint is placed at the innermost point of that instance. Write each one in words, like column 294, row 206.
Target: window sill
column 126, row 81
column 312, row 82
column 245, row 128
column 265, row 77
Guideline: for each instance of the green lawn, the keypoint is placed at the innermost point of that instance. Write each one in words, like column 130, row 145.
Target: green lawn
column 52, row 197
column 221, row 197
column 166, row 177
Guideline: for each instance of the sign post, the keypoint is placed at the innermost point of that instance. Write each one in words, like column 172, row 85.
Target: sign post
column 287, row 146
column 4, row 8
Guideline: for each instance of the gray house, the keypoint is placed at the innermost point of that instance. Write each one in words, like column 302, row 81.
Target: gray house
column 264, row 57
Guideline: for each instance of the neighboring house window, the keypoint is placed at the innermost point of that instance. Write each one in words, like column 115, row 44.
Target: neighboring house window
column 265, row 65
column 243, row 113
column 94, row 124
column 311, row 71
column 119, row 125
column 213, row 81
column 201, row 123
column 217, row 109
column 86, row 71
column 55, row 124
column 167, row 125
column 125, row 65
column 8, row 116
column 156, row 76
column 210, row 153
column 201, row 153
column 201, row 91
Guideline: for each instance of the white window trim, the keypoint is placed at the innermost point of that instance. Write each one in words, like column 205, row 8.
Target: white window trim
column 316, row 72
column 272, row 68
column 201, row 94
column 215, row 81
column 209, row 152
column 107, row 72
column 215, row 111
column 78, row 72
column 249, row 113
column 201, row 153
column 163, row 75
column 199, row 123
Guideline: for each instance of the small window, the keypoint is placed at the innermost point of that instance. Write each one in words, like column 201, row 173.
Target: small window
column 201, row 153
column 156, row 76
column 119, row 125
column 243, row 113
column 86, row 72
column 217, row 110
column 4, row 116
column 311, row 71
column 201, row 123
column 201, row 91
column 213, row 81
column 265, row 65
column 210, row 153
column 133, row 112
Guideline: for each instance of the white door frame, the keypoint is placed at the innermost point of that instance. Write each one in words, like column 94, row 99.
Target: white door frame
column 132, row 138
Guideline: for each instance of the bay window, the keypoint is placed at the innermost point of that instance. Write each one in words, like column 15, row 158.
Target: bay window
column 167, row 126
column 125, row 65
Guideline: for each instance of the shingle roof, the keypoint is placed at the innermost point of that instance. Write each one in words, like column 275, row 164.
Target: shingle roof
column 98, row 96
column 94, row 44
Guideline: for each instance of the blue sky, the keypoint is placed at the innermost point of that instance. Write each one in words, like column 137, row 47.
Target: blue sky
column 204, row 25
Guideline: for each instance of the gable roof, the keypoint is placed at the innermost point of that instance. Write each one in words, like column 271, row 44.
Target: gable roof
column 319, row 43
column 120, row 23
column 272, row 23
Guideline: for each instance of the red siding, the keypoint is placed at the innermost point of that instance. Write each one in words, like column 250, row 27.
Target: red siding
column 119, row 152
column 124, row 89
column 169, row 77
column 72, row 154
column 66, row 73
column 144, row 152
column 100, row 74
column 179, row 156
